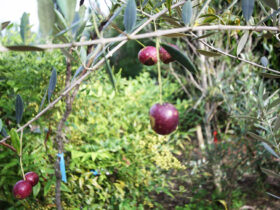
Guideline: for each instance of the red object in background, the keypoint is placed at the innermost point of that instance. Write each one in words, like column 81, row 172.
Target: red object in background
column 215, row 137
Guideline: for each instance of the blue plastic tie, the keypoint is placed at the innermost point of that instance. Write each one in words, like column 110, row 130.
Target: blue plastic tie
column 62, row 167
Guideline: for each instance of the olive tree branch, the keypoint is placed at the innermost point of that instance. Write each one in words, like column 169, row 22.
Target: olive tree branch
column 157, row 33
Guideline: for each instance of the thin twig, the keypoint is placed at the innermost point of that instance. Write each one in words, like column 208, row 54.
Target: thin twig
column 238, row 58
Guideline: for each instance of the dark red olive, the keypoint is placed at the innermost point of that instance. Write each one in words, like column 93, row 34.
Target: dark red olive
column 148, row 55
column 22, row 189
column 32, row 177
column 164, row 118
column 165, row 57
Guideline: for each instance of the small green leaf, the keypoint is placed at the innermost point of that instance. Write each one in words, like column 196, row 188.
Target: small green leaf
column 274, row 103
column 130, row 16
column 24, row 48
column 270, row 76
column 24, row 26
column 48, row 186
column 4, row 132
column 261, row 93
column 4, row 25
column 187, row 12
column 68, row 9
column 264, row 61
column 52, row 83
column 77, row 154
column 271, row 3
column 277, row 124
column 19, row 108
column 242, row 42
column 15, row 140
column 168, row 5
column 36, row 189
column 64, row 188
column 247, row 8
column 269, row 149
column 46, row 16
column 208, row 53
column 270, row 173
column 182, row 58
column 109, row 72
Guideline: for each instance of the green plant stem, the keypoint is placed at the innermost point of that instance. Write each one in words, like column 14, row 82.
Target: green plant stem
column 20, row 155
column 140, row 43
column 158, row 67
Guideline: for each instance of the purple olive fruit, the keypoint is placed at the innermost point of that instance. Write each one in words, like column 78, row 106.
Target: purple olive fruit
column 22, row 189
column 148, row 55
column 165, row 57
column 164, row 118
column 32, row 177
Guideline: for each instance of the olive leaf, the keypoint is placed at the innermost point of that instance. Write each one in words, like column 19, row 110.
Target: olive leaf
column 187, row 12
column 24, row 26
column 19, row 108
column 270, row 150
column 46, row 16
column 23, row 48
column 15, row 140
column 264, row 61
column 109, row 72
column 52, row 84
column 242, row 42
column 67, row 8
column 130, row 12
column 247, row 8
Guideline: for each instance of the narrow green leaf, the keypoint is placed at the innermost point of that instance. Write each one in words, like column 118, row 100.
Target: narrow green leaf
column 182, row 58
column 67, row 8
column 274, row 103
column 109, row 72
column 1, row 124
column 270, row 173
column 43, row 101
column 187, row 12
column 60, row 20
column 255, row 136
column 130, row 16
column 15, row 140
column 247, row 8
column 48, row 186
column 24, row 26
column 269, row 149
column 52, row 83
column 270, row 76
column 242, row 42
column 277, row 124
column 261, row 93
column 271, row 3
column 23, row 48
column 4, row 132
column 19, row 108
column 4, row 24
column 208, row 53
column 264, row 61
column 36, row 189
column 46, row 16
column 65, row 188
column 168, row 5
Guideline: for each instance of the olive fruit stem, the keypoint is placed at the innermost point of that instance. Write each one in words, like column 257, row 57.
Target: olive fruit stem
column 158, row 67
column 20, row 155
